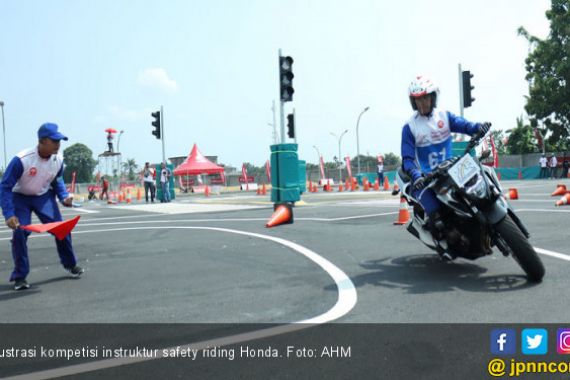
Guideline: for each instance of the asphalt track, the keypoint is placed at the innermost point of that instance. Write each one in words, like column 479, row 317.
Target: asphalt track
column 211, row 260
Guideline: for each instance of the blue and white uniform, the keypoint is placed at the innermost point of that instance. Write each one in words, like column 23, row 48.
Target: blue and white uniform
column 31, row 183
column 426, row 142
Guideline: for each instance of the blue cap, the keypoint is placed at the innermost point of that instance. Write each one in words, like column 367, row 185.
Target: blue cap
column 50, row 131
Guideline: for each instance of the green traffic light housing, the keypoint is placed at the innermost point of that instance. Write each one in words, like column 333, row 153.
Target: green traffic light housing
column 467, row 87
column 156, row 124
column 286, row 78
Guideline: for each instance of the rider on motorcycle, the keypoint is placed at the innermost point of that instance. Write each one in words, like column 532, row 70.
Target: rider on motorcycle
column 426, row 142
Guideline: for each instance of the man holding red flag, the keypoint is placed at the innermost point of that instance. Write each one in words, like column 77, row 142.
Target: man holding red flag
column 31, row 182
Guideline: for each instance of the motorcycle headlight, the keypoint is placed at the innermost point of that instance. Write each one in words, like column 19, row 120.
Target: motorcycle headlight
column 476, row 186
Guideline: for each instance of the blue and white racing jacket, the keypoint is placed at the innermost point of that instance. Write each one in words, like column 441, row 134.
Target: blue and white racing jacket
column 426, row 140
column 29, row 174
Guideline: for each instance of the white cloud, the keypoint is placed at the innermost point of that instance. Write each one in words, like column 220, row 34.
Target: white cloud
column 157, row 77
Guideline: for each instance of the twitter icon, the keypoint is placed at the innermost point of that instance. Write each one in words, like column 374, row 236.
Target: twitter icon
column 534, row 341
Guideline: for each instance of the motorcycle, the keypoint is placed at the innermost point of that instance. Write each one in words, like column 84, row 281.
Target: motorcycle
column 476, row 214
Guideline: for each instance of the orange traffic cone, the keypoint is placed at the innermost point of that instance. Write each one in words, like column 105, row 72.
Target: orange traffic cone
column 340, row 187
column 560, row 190
column 365, row 185
column 139, row 194
column 283, row 215
column 513, row 194
column 404, row 215
column 564, row 200
column 263, row 190
column 129, row 199
column 207, row 191
column 377, row 185
column 352, row 184
column 386, row 184
column 258, row 192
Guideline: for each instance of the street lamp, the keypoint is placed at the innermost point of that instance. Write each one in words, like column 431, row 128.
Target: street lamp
column 3, row 132
column 339, row 155
column 318, row 159
column 357, row 139
column 120, row 157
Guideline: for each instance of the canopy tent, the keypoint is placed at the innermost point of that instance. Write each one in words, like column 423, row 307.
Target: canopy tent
column 196, row 164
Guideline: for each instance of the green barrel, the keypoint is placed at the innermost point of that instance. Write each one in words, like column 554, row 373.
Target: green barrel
column 302, row 176
column 284, row 173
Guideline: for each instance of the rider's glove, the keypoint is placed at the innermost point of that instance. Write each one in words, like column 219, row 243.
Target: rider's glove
column 484, row 128
column 419, row 183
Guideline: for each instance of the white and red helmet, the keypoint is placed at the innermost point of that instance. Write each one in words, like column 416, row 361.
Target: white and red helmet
column 420, row 86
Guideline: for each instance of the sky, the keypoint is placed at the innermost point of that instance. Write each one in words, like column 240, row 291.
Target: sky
column 213, row 66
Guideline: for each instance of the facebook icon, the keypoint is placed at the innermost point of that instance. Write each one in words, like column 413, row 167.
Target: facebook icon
column 503, row 342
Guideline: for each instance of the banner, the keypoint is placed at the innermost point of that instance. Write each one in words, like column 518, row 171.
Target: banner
column 348, row 168
column 244, row 176
column 268, row 171
column 322, row 168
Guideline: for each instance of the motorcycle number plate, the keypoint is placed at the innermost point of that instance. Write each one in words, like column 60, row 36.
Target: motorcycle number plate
column 463, row 170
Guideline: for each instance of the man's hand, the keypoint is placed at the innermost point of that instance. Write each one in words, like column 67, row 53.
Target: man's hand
column 13, row 222
column 484, row 128
column 68, row 202
column 419, row 183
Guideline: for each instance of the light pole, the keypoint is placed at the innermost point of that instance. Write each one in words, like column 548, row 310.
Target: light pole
column 339, row 155
column 318, row 159
column 357, row 138
column 120, row 156
column 3, row 133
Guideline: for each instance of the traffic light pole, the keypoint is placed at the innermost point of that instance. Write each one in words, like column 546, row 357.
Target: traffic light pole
column 281, row 104
column 162, row 133
column 461, row 101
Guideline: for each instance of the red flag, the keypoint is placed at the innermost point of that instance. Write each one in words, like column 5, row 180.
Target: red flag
column 348, row 168
column 268, row 171
column 73, row 182
column 59, row 229
column 322, row 168
column 223, row 177
column 495, row 153
column 244, row 174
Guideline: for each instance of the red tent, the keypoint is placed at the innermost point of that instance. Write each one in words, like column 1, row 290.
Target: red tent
column 196, row 164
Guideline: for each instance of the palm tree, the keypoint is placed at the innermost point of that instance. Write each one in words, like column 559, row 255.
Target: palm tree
column 130, row 167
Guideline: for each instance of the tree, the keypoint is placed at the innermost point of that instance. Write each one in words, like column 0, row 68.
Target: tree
column 130, row 167
column 522, row 139
column 548, row 67
column 78, row 158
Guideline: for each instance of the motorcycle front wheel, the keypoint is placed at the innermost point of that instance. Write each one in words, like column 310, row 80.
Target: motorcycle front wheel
column 522, row 251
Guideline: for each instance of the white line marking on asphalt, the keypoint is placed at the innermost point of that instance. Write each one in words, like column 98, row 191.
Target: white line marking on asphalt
column 347, row 298
column 86, row 211
column 541, row 210
column 552, row 253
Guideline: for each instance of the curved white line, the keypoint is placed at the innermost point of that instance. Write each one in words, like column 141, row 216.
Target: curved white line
column 558, row 255
column 347, row 298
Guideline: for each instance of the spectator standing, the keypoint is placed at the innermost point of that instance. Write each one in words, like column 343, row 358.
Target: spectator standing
column 165, row 183
column 543, row 167
column 148, row 179
column 104, row 188
column 380, row 171
column 565, row 167
column 553, row 163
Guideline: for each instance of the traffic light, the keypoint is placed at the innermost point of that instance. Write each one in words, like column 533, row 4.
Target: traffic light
column 467, row 98
column 291, row 126
column 156, row 124
column 286, row 78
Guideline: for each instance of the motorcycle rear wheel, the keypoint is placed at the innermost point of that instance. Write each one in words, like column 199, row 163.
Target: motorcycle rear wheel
column 522, row 251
